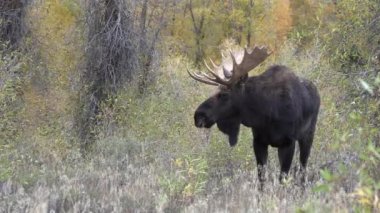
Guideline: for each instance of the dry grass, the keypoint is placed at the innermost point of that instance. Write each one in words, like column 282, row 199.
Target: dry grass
column 154, row 160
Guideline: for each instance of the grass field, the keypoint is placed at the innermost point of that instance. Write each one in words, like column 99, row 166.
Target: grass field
column 150, row 158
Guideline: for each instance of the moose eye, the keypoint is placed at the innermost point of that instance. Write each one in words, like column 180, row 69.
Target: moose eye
column 222, row 96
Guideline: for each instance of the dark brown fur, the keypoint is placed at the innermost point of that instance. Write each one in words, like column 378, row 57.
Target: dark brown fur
column 280, row 107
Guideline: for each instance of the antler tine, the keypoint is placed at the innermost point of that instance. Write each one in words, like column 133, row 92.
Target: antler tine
column 246, row 51
column 200, row 79
column 269, row 52
column 233, row 59
column 205, row 62
column 235, row 73
column 204, row 77
column 217, row 79
column 242, row 62
column 208, row 77
column 247, row 62
column 253, row 59
column 213, row 63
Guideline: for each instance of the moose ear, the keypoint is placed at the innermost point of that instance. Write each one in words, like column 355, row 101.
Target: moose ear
column 222, row 96
column 243, row 79
column 230, row 127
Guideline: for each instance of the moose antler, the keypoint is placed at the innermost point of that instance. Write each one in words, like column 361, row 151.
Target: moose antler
column 230, row 71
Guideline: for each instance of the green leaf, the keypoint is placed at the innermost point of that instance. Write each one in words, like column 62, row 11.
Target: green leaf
column 326, row 174
column 366, row 86
column 373, row 150
column 322, row 188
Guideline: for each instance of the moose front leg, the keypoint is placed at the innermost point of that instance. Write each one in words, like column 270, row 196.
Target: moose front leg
column 285, row 155
column 261, row 153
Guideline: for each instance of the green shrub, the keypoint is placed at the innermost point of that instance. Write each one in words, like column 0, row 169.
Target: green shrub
column 351, row 36
column 12, row 71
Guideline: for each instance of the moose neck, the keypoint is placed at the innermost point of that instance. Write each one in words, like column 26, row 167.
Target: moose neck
column 246, row 98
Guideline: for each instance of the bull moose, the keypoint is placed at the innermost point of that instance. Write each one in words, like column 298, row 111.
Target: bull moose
column 279, row 106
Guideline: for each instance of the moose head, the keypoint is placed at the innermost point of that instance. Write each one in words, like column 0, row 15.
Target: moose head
column 229, row 77
column 280, row 107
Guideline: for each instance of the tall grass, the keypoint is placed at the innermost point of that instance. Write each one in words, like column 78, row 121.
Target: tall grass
column 150, row 157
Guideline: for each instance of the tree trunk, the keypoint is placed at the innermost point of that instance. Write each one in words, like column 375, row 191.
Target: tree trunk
column 12, row 27
column 148, row 42
column 105, row 70
column 198, row 31
column 249, row 34
column 144, row 55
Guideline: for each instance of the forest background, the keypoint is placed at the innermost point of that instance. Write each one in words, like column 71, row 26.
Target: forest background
column 96, row 106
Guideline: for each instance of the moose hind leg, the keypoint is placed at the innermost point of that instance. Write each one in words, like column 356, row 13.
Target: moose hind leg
column 261, row 153
column 305, row 145
column 285, row 155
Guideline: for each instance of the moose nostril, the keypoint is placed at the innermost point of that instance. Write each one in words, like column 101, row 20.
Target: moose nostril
column 200, row 119
column 199, row 122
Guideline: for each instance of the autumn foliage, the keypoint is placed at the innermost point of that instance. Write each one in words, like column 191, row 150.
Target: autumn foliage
column 111, row 74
